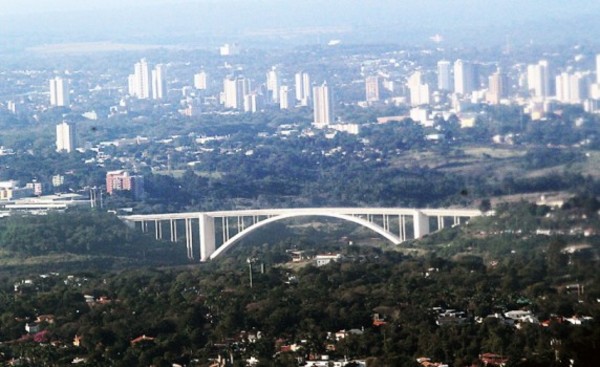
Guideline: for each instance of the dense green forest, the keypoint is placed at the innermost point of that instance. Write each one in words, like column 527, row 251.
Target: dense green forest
column 189, row 315
column 81, row 238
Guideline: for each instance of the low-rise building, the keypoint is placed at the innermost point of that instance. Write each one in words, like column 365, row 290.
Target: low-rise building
column 325, row 259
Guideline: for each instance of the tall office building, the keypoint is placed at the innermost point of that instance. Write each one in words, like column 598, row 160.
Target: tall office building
column 464, row 77
column 444, row 76
column 159, row 83
column 234, row 90
column 372, row 84
column 140, row 81
column 59, row 92
column 496, row 87
column 598, row 69
column 285, row 97
column 303, row 88
column 323, row 105
column 201, row 80
column 538, row 79
column 252, row 102
column 418, row 90
column 572, row 87
column 273, row 83
column 66, row 140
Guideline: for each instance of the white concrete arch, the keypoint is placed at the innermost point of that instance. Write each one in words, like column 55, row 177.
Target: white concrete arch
column 372, row 226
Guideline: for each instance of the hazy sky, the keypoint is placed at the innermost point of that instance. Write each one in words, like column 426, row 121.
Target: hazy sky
column 168, row 21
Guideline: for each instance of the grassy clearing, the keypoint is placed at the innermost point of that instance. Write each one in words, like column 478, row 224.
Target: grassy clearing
column 494, row 152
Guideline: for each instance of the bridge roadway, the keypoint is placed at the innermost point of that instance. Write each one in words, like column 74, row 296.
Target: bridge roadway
column 390, row 223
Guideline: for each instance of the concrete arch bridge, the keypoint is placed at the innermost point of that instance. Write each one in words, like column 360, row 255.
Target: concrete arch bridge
column 201, row 228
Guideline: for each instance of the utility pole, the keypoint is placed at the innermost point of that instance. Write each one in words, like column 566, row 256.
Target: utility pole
column 250, row 261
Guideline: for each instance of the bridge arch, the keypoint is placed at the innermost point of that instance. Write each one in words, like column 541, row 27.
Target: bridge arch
column 372, row 226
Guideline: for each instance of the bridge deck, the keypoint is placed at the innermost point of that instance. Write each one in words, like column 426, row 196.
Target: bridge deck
column 308, row 212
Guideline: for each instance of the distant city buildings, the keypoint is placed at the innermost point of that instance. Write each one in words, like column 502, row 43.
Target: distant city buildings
column 598, row 69
column 59, row 92
column 159, row 83
column 303, row 88
column 201, row 80
column 140, row 81
column 285, row 97
column 66, row 139
column 234, row 91
column 273, row 84
column 496, row 87
column 538, row 79
column 121, row 180
column 229, row 49
column 464, row 77
column 572, row 88
column 418, row 90
column 10, row 190
column 323, row 105
column 444, row 75
column 372, row 85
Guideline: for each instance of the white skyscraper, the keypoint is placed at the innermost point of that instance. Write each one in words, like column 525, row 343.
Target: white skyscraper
column 159, row 83
column 323, row 105
column 419, row 91
column 59, row 92
column 140, row 81
column 572, row 87
column 252, row 102
column 444, row 76
column 303, row 88
column 65, row 137
column 285, row 97
column 598, row 69
column 538, row 79
column 464, row 78
column 234, row 91
column 273, row 84
column 201, row 80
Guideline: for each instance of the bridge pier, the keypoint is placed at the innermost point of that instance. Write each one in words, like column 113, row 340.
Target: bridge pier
column 207, row 236
column 420, row 223
column 189, row 238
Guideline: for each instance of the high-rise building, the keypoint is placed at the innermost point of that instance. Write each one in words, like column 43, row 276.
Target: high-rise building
column 159, row 83
column 234, row 90
column 464, row 77
column 285, row 97
column 121, row 180
column 59, row 92
column 229, row 49
column 66, row 140
column 323, row 105
column 140, row 81
column 444, row 76
column 273, row 84
column 372, row 84
column 252, row 102
column 201, row 80
column 303, row 88
column 572, row 87
column 418, row 90
column 598, row 69
column 538, row 79
column 496, row 88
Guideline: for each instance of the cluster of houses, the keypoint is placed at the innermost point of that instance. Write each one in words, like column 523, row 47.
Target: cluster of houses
column 514, row 318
